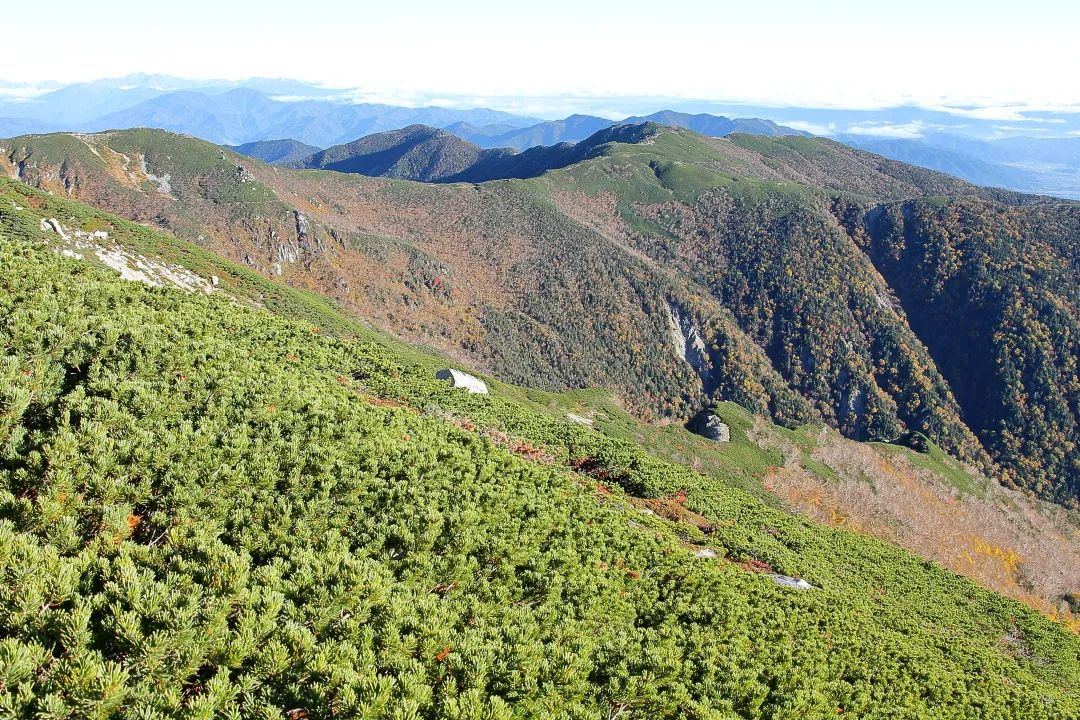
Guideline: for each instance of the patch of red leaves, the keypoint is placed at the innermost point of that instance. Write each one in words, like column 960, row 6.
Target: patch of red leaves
column 674, row 509
column 757, row 566
column 522, row 448
column 596, row 468
column 382, row 402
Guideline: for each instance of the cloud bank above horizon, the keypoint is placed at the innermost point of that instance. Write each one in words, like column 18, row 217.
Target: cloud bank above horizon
column 975, row 57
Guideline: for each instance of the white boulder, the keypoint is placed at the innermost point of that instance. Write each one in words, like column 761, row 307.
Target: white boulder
column 462, row 380
column 791, row 582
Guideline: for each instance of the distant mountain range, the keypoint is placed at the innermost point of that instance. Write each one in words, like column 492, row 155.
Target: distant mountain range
column 258, row 109
column 1048, row 166
column 579, row 127
column 229, row 113
column 245, row 115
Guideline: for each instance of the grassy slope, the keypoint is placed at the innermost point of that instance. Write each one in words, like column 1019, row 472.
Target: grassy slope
column 345, row 535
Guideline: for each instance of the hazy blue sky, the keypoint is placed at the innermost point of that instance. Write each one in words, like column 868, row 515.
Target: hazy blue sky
column 833, row 53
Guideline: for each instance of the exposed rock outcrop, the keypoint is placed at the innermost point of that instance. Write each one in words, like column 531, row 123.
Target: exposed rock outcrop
column 710, row 426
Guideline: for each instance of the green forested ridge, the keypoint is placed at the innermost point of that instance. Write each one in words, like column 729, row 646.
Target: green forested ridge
column 208, row 510
column 769, row 249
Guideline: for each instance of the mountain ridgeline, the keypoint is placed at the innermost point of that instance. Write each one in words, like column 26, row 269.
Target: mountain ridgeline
column 579, row 127
column 427, row 154
column 803, row 279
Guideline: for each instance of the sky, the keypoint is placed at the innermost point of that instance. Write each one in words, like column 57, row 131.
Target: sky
column 987, row 55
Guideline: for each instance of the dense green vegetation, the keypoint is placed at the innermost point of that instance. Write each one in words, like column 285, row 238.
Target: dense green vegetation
column 210, row 510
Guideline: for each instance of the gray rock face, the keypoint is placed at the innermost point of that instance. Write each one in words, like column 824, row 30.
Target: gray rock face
column 791, row 582
column 712, row 428
column 303, row 227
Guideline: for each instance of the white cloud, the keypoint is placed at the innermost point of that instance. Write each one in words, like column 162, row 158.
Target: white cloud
column 1010, row 113
column 22, row 93
column 812, row 128
column 910, row 131
column 1023, row 128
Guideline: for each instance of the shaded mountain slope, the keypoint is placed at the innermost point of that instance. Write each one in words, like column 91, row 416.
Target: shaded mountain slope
column 952, row 162
column 276, row 152
column 673, row 270
column 993, row 291
column 209, row 505
column 20, row 126
column 715, row 125
column 417, row 152
column 553, row 132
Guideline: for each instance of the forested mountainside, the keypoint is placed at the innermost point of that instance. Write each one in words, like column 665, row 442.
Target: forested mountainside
column 673, row 270
column 993, row 292
column 209, row 506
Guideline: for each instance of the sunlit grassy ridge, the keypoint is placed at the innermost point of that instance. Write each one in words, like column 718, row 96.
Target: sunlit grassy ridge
column 209, row 509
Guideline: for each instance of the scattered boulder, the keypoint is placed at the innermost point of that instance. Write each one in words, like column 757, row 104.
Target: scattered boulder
column 791, row 582
column 705, row 553
column 462, row 380
column 710, row 426
column 578, row 419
